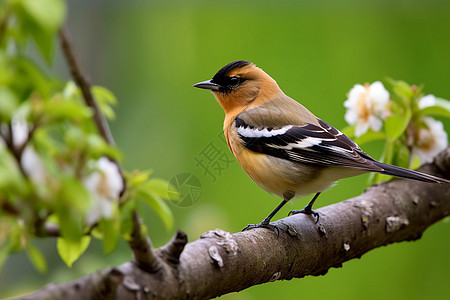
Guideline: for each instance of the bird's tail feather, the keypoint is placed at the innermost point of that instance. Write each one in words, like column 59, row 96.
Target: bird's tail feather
column 410, row 174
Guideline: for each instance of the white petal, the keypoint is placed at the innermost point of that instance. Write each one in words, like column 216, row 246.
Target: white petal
column 427, row 101
column 375, row 123
column 33, row 166
column 378, row 93
column 351, row 116
column 20, row 131
column 361, row 128
column 356, row 91
column 432, row 140
column 112, row 173
column 104, row 185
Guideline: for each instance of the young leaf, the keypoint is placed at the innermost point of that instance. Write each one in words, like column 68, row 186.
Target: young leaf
column 126, row 221
column 36, row 257
column 349, row 131
column 70, row 251
column 159, row 206
column 415, row 163
column 8, row 104
column 4, row 252
column 441, row 108
column 401, row 155
column 370, row 136
column 402, row 90
column 73, row 201
column 136, row 177
column 48, row 14
column 396, row 124
column 105, row 99
column 60, row 109
column 110, row 232
column 160, row 187
column 44, row 41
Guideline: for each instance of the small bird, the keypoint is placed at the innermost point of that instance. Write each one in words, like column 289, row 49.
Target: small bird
column 282, row 146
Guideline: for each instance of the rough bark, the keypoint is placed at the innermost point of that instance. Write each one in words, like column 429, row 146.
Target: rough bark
column 221, row 262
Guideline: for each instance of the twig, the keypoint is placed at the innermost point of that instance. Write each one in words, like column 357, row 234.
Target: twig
column 172, row 250
column 144, row 256
column 84, row 85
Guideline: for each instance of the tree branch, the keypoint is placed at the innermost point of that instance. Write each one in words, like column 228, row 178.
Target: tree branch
column 143, row 255
column 84, row 85
column 395, row 211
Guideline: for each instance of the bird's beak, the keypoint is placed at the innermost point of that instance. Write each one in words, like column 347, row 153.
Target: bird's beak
column 207, row 85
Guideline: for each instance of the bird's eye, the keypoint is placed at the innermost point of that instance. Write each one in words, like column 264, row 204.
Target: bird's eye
column 234, row 80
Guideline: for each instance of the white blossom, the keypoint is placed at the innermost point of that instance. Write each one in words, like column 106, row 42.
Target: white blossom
column 366, row 107
column 20, row 131
column 430, row 141
column 104, row 185
column 33, row 166
column 427, row 101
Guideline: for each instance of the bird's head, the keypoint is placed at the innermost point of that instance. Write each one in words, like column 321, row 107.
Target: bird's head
column 238, row 84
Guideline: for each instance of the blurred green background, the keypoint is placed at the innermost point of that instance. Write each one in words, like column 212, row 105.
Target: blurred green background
column 149, row 53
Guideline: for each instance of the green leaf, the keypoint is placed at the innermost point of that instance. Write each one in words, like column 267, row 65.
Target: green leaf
column 349, row 131
column 44, row 41
column 48, row 14
column 4, row 252
column 60, row 109
column 370, row 136
column 386, row 157
column 415, row 163
column 105, row 99
column 13, row 231
column 396, row 124
column 402, row 90
column 8, row 103
column 401, row 155
column 159, row 206
column 70, row 251
column 160, row 187
column 441, row 108
column 99, row 147
column 110, row 233
column 29, row 79
column 126, row 218
column 73, row 201
column 36, row 257
column 70, row 223
column 136, row 177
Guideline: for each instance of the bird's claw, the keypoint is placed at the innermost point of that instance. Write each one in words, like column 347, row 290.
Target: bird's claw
column 262, row 225
column 307, row 211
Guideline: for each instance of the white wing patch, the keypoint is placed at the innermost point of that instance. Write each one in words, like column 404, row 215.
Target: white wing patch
column 257, row 133
column 300, row 144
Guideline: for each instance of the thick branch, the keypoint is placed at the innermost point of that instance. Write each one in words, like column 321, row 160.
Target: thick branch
column 221, row 262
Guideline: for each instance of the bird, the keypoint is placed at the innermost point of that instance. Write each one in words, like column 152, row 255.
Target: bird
column 284, row 147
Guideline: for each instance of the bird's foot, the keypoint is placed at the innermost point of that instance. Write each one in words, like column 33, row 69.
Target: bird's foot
column 263, row 224
column 307, row 210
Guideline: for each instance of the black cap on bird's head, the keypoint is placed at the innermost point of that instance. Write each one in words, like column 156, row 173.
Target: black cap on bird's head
column 222, row 82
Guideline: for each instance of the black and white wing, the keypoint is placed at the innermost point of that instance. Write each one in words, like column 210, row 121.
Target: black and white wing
column 318, row 144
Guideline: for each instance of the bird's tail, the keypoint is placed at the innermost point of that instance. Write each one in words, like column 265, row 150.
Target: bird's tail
column 410, row 174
